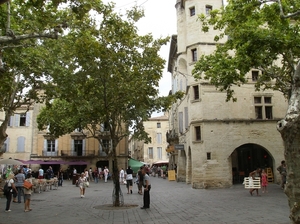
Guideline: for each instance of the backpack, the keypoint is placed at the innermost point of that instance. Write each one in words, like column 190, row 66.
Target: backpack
column 6, row 189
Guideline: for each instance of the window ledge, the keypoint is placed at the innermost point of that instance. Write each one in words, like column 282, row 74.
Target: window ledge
column 196, row 101
column 198, row 141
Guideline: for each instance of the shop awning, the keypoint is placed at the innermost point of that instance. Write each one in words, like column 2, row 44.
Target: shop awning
column 135, row 165
column 53, row 162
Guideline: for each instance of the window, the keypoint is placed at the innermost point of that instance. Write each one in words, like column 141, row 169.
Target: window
column 78, row 147
column 263, row 107
column 254, row 76
column 258, row 112
column 208, row 156
column 22, row 120
column 198, row 133
column 105, row 143
column 50, row 145
column 158, row 125
column 159, row 152
column 208, row 9
column 269, row 114
column 196, row 92
column 194, row 54
column 158, row 138
column 150, row 153
column 192, row 11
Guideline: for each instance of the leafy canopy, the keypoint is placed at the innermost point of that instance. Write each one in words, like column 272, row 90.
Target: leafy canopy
column 260, row 34
column 106, row 74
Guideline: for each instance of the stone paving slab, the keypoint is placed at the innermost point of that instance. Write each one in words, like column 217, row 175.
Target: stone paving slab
column 171, row 203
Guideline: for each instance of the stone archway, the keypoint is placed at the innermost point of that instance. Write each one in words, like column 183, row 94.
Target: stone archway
column 247, row 158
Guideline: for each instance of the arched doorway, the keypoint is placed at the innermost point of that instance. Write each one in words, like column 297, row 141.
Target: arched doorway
column 249, row 157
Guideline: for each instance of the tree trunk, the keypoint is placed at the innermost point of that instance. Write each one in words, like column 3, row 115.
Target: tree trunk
column 117, row 194
column 3, row 135
column 289, row 128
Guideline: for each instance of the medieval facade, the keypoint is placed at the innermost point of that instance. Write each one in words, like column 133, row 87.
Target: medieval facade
column 213, row 142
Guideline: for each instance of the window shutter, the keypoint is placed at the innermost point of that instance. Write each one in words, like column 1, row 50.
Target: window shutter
column 21, row 144
column 17, row 120
column 11, row 121
column 27, row 119
column 186, row 118
column 83, row 147
column 7, row 144
column 72, row 145
column 180, row 122
column 56, row 145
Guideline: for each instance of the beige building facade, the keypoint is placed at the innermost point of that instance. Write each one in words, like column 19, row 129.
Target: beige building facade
column 213, row 142
column 156, row 127
column 75, row 150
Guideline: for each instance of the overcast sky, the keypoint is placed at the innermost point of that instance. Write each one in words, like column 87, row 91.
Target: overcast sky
column 160, row 20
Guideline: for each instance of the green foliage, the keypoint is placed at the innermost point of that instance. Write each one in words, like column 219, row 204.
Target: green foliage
column 262, row 35
column 104, row 72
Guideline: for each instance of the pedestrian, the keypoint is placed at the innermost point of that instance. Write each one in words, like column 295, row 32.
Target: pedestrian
column 122, row 174
column 27, row 195
column 91, row 174
column 86, row 174
column 282, row 171
column 141, row 180
column 81, row 183
column 41, row 173
column 106, row 172
column 264, row 181
column 8, row 171
column 11, row 186
column 255, row 175
column 20, row 177
column 60, row 177
column 147, row 188
column 96, row 175
column 129, row 177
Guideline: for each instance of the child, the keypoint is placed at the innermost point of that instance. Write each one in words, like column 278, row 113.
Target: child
column 264, row 181
column 27, row 195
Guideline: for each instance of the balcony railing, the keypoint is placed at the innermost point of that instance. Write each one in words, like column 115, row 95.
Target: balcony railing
column 72, row 153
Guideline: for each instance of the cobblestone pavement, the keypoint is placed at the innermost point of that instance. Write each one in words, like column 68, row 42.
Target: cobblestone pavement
column 171, row 202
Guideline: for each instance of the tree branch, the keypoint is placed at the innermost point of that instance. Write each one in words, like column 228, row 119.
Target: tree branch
column 289, row 15
column 8, row 39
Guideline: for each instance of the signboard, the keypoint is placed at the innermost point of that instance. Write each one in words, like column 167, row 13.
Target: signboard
column 171, row 175
column 179, row 147
column 170, row 148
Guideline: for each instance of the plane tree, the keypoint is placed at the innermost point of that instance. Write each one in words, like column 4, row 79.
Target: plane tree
column 25, row 29
column 108, row 77
column 262, row 34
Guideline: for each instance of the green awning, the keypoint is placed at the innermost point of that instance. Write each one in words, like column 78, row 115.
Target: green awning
column 135, row 165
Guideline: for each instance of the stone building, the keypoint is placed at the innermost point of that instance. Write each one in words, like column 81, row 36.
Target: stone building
column 77, row 149
column 216, row 143
column 156, row 127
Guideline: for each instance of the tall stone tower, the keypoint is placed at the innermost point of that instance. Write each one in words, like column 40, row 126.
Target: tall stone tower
column 220, row 142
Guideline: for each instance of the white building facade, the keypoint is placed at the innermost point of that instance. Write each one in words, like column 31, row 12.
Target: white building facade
column 222, row 141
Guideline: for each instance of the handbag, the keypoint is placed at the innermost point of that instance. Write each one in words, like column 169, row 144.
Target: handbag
column 86, row 184
column 27, row 184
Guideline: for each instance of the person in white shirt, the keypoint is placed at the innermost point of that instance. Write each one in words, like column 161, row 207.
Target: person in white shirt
column 122, row 173
column 106, row 171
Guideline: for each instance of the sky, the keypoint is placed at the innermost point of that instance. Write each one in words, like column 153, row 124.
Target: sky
column 160, row 20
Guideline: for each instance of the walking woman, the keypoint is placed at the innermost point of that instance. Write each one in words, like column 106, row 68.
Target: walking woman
column 12, row 188
column 81, row 183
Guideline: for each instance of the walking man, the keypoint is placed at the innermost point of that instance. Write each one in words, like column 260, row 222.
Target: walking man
column 147, row 187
